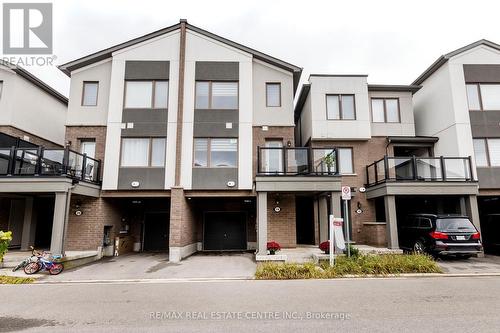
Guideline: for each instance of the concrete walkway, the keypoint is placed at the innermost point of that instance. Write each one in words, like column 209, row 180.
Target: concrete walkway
column 156, row 266
column 490, row 264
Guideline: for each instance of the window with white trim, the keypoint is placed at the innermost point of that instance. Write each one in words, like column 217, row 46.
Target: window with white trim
column 346, row 165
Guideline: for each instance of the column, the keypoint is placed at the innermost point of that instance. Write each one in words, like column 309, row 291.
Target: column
column 58, row 223
column 323, row 219
column 391, row 222
column 262, row 222
column 26, row 240
column 472, row 211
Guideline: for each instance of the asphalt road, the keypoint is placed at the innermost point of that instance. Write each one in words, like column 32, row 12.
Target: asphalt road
column 441, row 304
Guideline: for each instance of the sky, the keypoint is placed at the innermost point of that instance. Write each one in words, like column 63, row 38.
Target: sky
column 391, row 41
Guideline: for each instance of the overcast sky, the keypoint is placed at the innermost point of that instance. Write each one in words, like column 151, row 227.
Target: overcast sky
column 392, row 41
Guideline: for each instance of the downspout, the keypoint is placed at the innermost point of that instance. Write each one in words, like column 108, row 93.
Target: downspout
column 180, row 101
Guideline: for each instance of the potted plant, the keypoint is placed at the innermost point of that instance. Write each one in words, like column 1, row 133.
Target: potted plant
column 325, row 247
column 329, row 161
column 273, row 247
column 5, row 238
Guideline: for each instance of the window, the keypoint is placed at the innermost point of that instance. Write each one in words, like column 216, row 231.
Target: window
column 273, row 94
column 89, row 95
column 345, row 160
column 87, row 146
column 146, row 94
column 340, row 107
column 216, row 153
column 483, row 97
column 385, row 110
column 143, row 152
column 487, row 152
column 216, row 95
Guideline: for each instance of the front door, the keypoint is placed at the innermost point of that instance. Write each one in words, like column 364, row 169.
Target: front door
column 224, row 231
column 156, row 232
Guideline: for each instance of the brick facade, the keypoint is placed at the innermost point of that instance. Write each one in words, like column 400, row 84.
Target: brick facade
column 75, row 134
column 13, row 131
column 183, row 228
column 364, row 153
column 281, row 226
column 85, row 232
column 285, row 133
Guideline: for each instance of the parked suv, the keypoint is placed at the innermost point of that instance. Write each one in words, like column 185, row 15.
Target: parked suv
column 440, row 235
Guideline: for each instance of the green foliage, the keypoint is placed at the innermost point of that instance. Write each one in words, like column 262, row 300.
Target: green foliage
column 5, row 238
column 360, row 265
column 4, row 279
column 354, row 251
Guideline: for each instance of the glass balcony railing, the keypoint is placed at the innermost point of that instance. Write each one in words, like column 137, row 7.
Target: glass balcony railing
column 419, row 169
column 295, row 161
column 25, row 162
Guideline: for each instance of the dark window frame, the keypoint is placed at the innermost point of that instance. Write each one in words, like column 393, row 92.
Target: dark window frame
column 487, row 151
column 341, row 113
column 479, row 94
column 210, row 95
column 209, row 154
column 385, row 99
column 84, row 83
column 150, row 152
column 352, row 160
column 153, row 95
column 267, row 95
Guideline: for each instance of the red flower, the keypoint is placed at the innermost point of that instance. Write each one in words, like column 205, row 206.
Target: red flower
column 273, row 246
column 325, row 246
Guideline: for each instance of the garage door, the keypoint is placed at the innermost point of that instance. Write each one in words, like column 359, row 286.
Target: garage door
column 224, row 231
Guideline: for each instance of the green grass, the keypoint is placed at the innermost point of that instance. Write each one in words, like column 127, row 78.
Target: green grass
column 4, row 279
column 361, row 265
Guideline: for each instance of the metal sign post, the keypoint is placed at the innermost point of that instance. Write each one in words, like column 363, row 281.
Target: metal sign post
column 332, row 241
column 346, row 196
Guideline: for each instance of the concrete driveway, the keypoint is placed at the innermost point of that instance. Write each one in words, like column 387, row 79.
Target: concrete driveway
column 156, row 266
column 487, row 265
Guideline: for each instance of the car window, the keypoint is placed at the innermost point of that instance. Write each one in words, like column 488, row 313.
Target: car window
column 455, row 224
column 425, row 223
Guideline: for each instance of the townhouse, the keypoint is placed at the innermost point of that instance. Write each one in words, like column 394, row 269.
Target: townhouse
column 459, row 103
column 32, row 115
column 394, row 171
column 183, row 141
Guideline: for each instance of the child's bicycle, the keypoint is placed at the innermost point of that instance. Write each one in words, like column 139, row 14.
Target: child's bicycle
column 32, row 258
column 44, row 262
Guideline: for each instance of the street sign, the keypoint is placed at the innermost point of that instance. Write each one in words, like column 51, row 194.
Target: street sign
column 346, row 193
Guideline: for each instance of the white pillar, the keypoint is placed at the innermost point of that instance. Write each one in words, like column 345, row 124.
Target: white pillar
column 323, row 219
column 472, row 211
column 58, row 222
column 262, row 222
column 391, row 222
column 26, row 239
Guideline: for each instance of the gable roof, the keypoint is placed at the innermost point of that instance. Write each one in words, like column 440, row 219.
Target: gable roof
column 444, row 58
column 35, row 81
column 107, row 53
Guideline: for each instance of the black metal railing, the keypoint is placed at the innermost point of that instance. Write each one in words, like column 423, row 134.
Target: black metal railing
column 25, row 162
column 413, row 168
column 288, row 161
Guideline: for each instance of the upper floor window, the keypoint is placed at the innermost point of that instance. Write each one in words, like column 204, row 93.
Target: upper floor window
column 90, row 92
column 385, row 110
column 273, row 94
column 216, row 95
column 346, row 160
column 487, row 152
column 340, row 107
column 483, row 96
column 146, row 94
column 143, row 152
column 216, row 153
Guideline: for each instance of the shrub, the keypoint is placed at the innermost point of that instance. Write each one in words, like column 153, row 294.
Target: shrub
column 353, row 250
column 287, row 271
column 5, row 238
column 273, row 246
column 325, row 246
column 4, row 279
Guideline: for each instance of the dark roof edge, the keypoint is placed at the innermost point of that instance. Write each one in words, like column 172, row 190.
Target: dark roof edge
column 339, row 75
column 36, row 81
column 412, row 139
column 304, row 92
column 392, row 87
column 67, row 68
column 444, row 58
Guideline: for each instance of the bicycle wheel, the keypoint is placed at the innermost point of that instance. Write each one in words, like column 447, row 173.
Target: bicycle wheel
column 31, row 268
column 56, row 269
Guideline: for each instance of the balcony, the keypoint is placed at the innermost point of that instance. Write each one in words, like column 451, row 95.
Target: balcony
column 297, row 161
column 40, row 162
column 419, row 169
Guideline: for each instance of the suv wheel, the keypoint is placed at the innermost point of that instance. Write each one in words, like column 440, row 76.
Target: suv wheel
column 419, row 247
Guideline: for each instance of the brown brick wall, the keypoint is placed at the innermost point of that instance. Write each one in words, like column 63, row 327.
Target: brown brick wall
column 13, row 131
column 85, row 232
column 284, row 133
column 375, row 234
column 281, row 226
column 183, row 224
column 76, row 133
column 364, row 153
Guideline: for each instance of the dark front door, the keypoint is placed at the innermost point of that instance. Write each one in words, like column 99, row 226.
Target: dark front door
column 156, row 232
column 225, row 231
